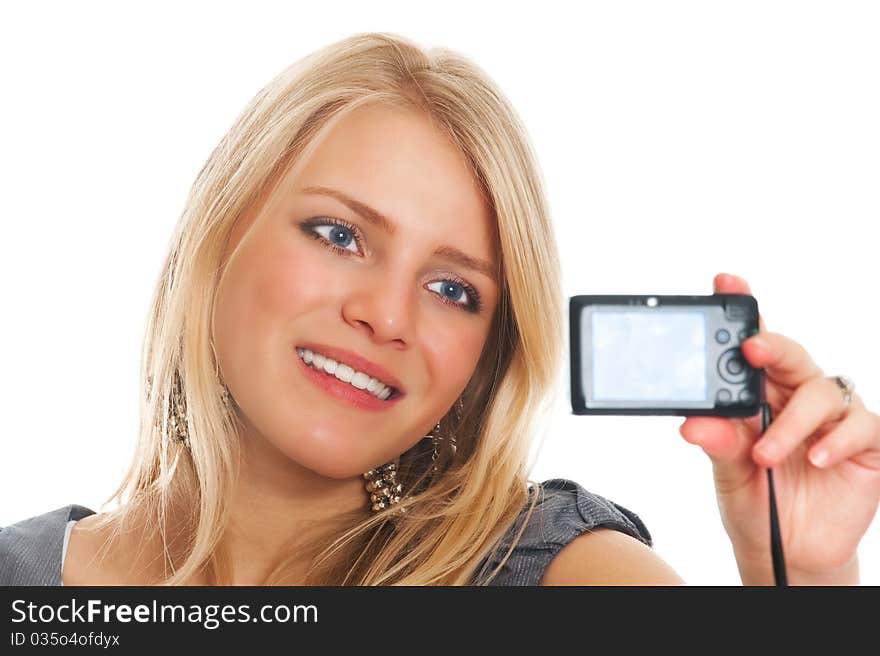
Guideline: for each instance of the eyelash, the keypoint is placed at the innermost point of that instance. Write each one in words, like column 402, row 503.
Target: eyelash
column 474, row 306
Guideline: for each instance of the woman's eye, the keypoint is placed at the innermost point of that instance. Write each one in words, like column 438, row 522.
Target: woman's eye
column 338, row 237
column 335, row 235
column 451, row 292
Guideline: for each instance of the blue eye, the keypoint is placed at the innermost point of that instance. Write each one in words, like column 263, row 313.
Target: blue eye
column 450, row 291
column 339, row 235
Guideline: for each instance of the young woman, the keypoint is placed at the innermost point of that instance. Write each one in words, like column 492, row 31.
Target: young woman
column 352, row 340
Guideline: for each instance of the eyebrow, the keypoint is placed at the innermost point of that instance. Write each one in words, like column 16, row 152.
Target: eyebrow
column 449, row 253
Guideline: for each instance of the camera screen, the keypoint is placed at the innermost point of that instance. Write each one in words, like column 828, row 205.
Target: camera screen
column 648, row 356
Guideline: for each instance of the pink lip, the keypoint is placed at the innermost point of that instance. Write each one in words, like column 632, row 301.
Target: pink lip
column 356, row 362
column 335, row 387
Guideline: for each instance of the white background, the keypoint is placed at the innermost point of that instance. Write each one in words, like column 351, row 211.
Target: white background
column 677, row 140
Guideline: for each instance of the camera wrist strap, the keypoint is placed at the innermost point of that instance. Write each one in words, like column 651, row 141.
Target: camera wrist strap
column 775, row 537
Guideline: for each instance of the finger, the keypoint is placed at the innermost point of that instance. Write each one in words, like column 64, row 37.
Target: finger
column 727, row 283
column 731, row 437
column 718, row 437
column 816, row 402
column 858, row 433
column 784, row 360
column 728, row 445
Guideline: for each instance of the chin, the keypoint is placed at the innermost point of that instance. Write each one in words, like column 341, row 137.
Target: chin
column 337, row 471
column 327, row 462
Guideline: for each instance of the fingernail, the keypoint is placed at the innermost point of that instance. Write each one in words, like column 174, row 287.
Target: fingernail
column 758, row 341
column 819, row 457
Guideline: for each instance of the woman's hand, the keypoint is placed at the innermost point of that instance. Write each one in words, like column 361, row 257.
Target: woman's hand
column 825, row 458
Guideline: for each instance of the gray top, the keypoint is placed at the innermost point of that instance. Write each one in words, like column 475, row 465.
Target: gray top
column 32, row 551
column 564, row 511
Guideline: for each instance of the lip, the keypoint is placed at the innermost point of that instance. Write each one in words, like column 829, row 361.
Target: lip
column 356, row 362
column 332, row 385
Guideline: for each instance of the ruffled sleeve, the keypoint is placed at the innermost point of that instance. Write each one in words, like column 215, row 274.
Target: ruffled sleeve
column 564, row 511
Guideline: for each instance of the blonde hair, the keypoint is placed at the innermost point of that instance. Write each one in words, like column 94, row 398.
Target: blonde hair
column 455, row 518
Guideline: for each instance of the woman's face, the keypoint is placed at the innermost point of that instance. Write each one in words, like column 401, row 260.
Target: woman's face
column 315, row 271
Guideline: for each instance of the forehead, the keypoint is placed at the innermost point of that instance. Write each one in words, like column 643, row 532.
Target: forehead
column 398, row 162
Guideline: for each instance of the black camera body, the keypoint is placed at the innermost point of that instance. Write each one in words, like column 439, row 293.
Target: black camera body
column 663, row 355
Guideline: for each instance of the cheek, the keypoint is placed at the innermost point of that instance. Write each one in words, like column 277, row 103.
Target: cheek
column 451, row 352
column 287, row 282
column 270, row 284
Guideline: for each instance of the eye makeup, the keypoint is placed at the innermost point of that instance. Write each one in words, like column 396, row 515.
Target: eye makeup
column 473, row 306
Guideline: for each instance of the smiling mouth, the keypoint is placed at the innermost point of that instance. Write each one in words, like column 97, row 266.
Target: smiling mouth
column 346, row 374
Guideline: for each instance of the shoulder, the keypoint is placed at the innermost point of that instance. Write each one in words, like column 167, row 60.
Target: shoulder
column 608, row 557
column 585, row 536
column 30, row 550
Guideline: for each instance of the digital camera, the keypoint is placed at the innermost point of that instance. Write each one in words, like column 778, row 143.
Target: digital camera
column 663, row 355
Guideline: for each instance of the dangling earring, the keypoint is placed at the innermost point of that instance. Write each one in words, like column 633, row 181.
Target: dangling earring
column 224, row 395
column 176, row 419
column 177, row 426
column 437, row 439
column 382, row 486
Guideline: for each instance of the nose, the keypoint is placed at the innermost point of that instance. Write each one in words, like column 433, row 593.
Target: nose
column 383, row 305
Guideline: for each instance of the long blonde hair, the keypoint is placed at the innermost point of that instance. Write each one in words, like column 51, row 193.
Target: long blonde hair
column 455, row 517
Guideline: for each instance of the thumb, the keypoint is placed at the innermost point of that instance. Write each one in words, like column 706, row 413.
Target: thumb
column 728, row 443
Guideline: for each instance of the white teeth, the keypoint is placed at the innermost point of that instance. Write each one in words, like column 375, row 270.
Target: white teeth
column 360, row 380
column 345, row 373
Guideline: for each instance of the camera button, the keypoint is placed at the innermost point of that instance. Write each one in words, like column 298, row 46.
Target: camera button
column 745, row 395
column 722, row 336
column 732, row 368
column 723, row 396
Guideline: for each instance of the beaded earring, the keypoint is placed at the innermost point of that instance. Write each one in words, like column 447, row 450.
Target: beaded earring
column 383, row 489
column 176, row 417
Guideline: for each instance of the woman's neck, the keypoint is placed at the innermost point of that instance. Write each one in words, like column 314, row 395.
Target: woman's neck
column 278, row 511
column 279, row 507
